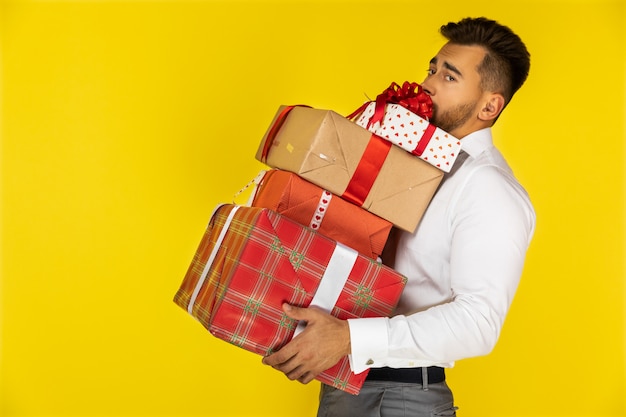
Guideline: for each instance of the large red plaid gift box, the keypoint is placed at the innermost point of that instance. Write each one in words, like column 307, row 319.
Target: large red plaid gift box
column 251, row 260
column 321, row 210
column 400, row 114
column 342, row 157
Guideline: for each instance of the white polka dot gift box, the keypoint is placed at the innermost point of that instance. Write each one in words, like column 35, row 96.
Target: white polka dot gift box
column 400, row 115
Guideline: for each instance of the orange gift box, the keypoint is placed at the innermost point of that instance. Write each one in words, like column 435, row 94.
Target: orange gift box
column 319, row 209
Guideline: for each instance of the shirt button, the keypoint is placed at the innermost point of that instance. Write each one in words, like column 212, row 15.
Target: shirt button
column 370, row 362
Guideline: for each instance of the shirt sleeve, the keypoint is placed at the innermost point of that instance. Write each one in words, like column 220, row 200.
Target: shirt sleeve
column 368, row 340
column 491, row 225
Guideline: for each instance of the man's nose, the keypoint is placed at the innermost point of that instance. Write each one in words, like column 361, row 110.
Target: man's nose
column 427, row 87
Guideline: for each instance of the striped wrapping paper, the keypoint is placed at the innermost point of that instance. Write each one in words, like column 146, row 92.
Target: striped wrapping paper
column 241, row 275
column 329, row 214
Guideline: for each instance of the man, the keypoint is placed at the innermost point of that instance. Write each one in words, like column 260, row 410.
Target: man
column 463, row 263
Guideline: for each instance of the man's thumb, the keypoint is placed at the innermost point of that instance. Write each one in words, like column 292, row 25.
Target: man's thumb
column 294, row 312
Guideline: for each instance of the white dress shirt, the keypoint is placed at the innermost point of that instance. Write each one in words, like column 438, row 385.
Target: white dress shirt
column 463, row 265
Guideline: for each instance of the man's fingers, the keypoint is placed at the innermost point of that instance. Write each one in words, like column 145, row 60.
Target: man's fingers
column 275, row 359
column 306, row 378
column 296, row 373
column 285, row 360
column 291, row 367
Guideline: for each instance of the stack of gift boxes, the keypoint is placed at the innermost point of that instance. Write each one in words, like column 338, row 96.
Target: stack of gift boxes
column 318, row 221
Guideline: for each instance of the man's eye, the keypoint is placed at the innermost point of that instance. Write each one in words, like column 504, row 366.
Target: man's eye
column 449, row 78
column 430, row 71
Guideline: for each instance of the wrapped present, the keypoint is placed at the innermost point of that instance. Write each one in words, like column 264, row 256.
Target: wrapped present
column 346, row 159
column 321, row 210
column 400, row 115
column 251, row 260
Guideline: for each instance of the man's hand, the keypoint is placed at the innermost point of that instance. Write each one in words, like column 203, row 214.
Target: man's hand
column 324, row 341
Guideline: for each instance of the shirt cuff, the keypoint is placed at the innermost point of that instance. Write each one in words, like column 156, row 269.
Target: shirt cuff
column 368, row 343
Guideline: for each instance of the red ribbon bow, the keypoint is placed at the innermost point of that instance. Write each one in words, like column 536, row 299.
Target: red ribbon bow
column 411, row 96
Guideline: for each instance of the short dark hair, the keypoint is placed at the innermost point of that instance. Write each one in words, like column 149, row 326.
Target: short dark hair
column 507, row 61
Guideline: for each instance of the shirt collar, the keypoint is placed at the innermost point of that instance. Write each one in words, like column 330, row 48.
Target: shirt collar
column 476, row 142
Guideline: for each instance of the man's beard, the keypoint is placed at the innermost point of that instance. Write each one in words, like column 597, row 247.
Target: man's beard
column 451, row 119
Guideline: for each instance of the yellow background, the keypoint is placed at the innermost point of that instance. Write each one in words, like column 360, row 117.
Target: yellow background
column 125, row 123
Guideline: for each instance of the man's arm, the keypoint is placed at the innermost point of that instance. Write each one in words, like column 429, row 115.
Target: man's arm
column 489, row 230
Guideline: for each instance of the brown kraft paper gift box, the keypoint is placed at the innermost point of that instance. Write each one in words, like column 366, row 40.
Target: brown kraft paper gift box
column 342, row 157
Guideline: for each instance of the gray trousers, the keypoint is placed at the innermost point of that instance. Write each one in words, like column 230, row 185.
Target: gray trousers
column 388, row 399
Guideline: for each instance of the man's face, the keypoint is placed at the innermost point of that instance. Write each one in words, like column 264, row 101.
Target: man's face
column 453, row 83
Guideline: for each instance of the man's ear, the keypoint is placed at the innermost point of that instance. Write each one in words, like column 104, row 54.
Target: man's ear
column 492, row 108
